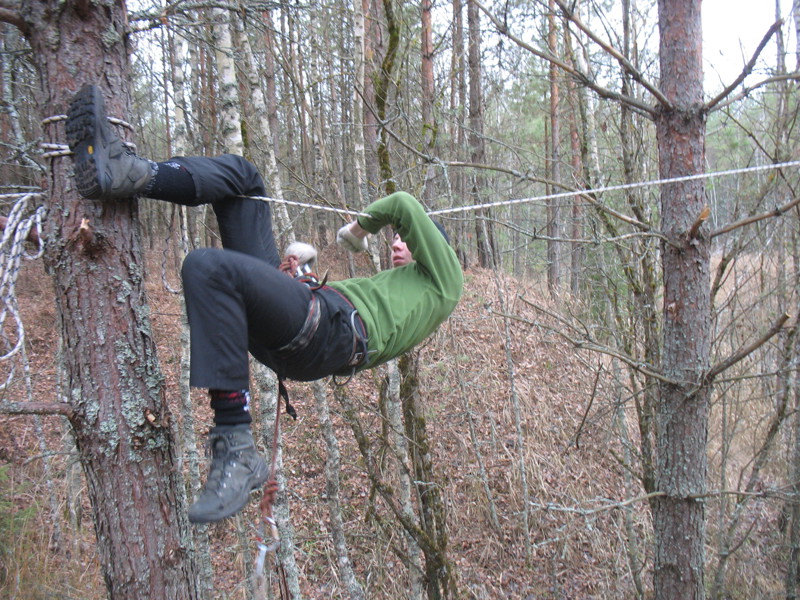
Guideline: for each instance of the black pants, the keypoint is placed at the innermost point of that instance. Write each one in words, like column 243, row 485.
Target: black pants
column 237, row 299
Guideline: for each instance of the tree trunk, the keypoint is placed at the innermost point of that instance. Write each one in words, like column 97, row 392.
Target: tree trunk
column 230, row 128
column 483, row 228
column 121, row 422
column 682, row 414
column 382, row 89
column 429, row 126
column 553, row 212
column 334, row 500
column 458, row 100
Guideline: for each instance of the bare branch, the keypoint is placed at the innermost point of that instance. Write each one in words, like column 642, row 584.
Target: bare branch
column 626, row 65
column 701, row 218
column 588, row 344
column 747, row 350
column 36, row 408
column 582, row 78
column 9, row 13
column 748, row 68
column 795, row 76
column 526, row 176
column 775, row 212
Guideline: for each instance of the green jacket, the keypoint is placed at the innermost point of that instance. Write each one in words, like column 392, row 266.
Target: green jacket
column 400, row 307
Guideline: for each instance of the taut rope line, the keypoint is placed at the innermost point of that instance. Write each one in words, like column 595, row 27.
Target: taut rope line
column 581, row 192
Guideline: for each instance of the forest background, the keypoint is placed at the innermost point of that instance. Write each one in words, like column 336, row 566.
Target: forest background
column 529, row 449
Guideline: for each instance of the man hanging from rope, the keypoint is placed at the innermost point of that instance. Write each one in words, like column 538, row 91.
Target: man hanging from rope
column 239, row 298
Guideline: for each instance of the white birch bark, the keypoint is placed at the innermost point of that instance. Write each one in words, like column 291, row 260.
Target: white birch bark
column 266, row 385
column 399, row 444
column 260, row 126
column 332, row 465
column 230, row 131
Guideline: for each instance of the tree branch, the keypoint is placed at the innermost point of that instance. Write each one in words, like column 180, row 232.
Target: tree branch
column 9, row 13
column 744, row 352
column 794, row 76
column 588, row 344
column 775, row 212
column 36, row 408
column 748, row 68
column 582, row 78
column 616, row 54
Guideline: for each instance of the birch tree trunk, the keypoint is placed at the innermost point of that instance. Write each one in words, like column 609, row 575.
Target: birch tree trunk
column 359, row 66
column 458, row 102
column 682, row 413
column 230, row 129
column 263, row 138
column 397, row 439
column 120, row 418
column 332, row 468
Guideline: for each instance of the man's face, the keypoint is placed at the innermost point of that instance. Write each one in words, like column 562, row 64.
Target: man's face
column 400, row 252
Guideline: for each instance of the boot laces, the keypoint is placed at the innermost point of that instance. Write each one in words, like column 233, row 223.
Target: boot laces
column 224, row 455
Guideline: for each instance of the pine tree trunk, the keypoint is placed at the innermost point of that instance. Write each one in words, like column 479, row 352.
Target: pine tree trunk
column 682, row 414
column 483, row 228
column 553, row 209
column 121, row 422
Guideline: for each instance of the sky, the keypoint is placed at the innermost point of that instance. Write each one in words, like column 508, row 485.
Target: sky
column 732, row 29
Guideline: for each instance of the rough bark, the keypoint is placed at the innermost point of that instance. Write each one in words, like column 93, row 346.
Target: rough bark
column 429, row 125
column 682, row 413
column 383, row 86
column 230, row 129
column 553, row 209
column 440, row 571
column 396, row 370
column 332, row 468
column 483, row 227
column 120, row 419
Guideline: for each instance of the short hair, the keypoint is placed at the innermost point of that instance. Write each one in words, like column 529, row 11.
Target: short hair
column 440, row 227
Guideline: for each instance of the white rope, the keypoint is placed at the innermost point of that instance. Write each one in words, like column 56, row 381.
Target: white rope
column 340, row 211
column 12, row 250
column 582, row 192
column 613, row 188
column 56, row 150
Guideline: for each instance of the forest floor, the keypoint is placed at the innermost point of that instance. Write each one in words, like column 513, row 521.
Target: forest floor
column 506, row 394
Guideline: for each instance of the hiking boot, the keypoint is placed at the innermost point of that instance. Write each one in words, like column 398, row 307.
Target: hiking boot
column 104, row 168
column 306, row 256
column 236, row 469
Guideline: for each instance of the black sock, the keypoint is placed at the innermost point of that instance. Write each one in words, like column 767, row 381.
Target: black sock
column 172, row 182
column 230, row 408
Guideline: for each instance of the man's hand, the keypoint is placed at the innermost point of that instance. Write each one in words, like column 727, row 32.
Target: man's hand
column 352, row 237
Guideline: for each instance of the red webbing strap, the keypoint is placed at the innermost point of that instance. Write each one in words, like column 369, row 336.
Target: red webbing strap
column 265, row 506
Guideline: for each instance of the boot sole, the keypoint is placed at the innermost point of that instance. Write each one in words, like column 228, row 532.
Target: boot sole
column 86, row 110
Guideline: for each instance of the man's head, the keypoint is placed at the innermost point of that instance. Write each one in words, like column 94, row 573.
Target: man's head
column 401, row 255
